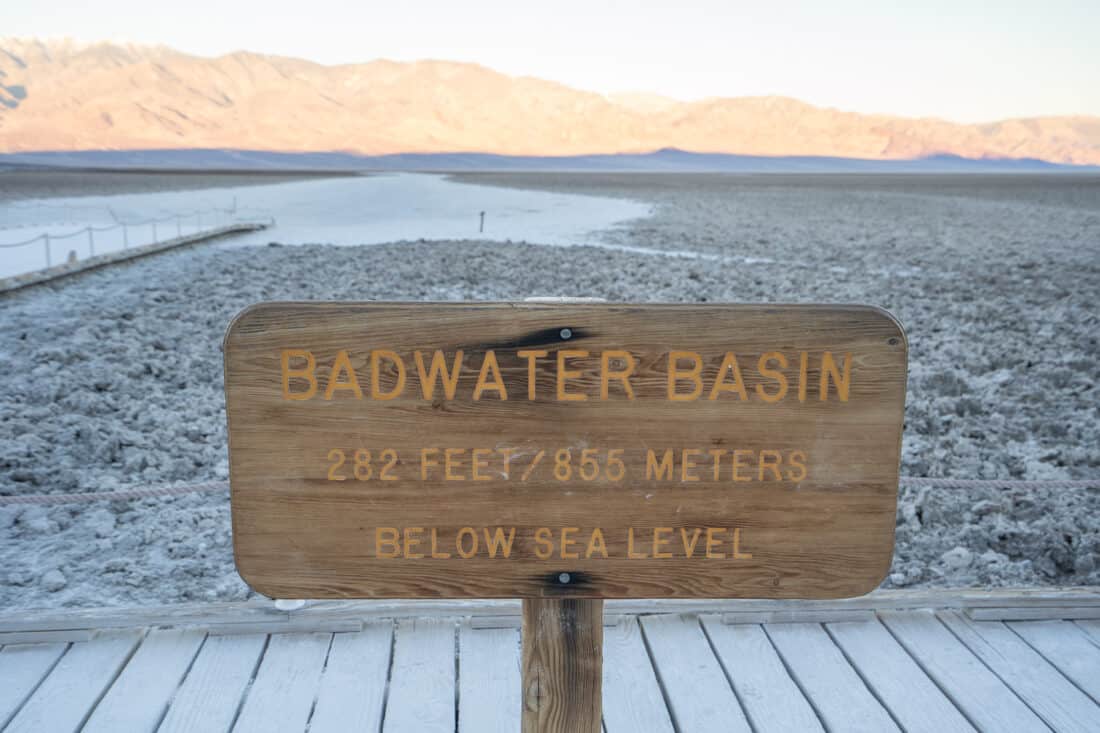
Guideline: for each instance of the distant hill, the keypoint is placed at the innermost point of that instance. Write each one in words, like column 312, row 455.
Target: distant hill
column 668, row 160
column 65, row 96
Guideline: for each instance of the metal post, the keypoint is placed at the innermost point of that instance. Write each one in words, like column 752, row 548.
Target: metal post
column 91, row 243
column 179, row 229
column 46, row 237
column 481, row 227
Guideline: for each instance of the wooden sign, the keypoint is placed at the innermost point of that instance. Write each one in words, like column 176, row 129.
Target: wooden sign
column 504, row 450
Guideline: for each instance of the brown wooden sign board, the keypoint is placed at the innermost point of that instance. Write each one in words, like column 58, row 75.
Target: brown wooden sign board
column 526, row 450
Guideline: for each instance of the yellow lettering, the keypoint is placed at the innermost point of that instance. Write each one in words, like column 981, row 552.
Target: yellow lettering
column 660, row 541
column 779, row 377
column 425, row 462
column 387, row 536
column 623, row 375
column 532, row 356
column 596, row 544
column 712, row 542
column 412, row 541
column 564, row 374
column 566, row 543
column 797, row 459
column 544, row 543
column 676, row 375
column 689, row 547
column 452, row 460
column 376, row 358
column 737, row 554
column 630, row 547
column 480, row 463
column 772, row 465
column 436, row 554
column 687, row 464
column 306, row 374
column 729, row 364
column 497, row 383
column 341, row 365
column 498, row 543
column 463, row 552
column 653, row 471
column 738, row 464
column 438, row 370
column 829, row 369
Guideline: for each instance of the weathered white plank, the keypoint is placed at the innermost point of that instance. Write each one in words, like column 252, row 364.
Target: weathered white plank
column 65, row 698
column 36, row 637
column 1054, row 698
column 422, row 680
column 1068, row 648
column 699, row 695
column 770, row 697
column 912, row 698
column 285, row 687
column 834, row 689
column 139, row 697
column 981, row 695
column 1032, row 613
column 632, row 697
column 212, row 691
column 489, row 680
column 1092, row 628
column 791, row 616
column 22, row 667
column 353, row 685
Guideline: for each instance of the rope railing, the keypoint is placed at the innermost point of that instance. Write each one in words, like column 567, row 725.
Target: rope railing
column 907, row 482
column 233, row 215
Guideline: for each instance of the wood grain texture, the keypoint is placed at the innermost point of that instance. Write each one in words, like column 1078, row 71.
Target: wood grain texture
column 71, row 690
column 829, row 682
column 771, row 699
column 632, row 698
column 699, row 695
column 562, row 665
column 914, row 700
column 824, row 533
column 211, row 694
column 22, row 668
column 1060, row 703
column 981, row 695
column 489, row 680
column 138, row 699
column 353, row 686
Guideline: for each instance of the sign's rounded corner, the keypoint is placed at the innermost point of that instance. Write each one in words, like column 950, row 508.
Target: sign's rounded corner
column 888, row 315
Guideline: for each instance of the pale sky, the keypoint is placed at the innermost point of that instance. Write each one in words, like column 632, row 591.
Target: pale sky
column 962, row 60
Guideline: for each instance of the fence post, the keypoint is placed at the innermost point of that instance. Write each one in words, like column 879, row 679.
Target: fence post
column 179, row 230
column 46, row 237
column 154, row 232
column 91, row 242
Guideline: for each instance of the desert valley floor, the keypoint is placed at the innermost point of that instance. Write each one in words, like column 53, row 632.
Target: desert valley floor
column 114, row 379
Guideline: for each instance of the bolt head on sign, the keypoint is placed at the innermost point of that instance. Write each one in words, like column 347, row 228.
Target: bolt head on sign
column 522, row 450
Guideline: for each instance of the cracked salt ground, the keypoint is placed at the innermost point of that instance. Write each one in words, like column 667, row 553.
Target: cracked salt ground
column 114, row 379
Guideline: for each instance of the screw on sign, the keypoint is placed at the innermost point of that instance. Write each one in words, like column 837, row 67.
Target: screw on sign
column 563, row 454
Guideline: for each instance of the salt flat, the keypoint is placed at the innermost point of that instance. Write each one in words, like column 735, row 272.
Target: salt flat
column 344, row 210
column 115, row 378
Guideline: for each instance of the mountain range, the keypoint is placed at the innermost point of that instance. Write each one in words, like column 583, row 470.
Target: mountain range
column 63, row 96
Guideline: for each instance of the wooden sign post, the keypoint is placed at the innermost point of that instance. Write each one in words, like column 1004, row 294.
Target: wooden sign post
column 563, row 454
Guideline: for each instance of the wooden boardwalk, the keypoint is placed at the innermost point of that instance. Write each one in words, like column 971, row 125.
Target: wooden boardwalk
column 913, row 662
